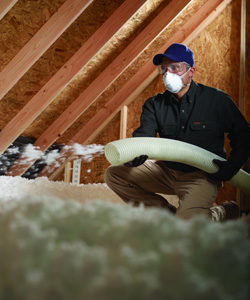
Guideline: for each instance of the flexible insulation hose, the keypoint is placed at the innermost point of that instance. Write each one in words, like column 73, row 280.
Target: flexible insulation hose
column 122, row 151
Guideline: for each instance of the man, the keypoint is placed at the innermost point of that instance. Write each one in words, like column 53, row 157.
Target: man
column 192, row 113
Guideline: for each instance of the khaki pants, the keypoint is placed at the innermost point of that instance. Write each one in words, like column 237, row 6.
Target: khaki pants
column 141, row 184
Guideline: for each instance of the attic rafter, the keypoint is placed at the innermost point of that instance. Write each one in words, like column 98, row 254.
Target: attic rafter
column 5, row 6
column 102, row 82
column 40, row 42
column 66, row 73
column 132, row 89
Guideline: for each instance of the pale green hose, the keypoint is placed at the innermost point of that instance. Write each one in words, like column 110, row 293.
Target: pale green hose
column 121, row 151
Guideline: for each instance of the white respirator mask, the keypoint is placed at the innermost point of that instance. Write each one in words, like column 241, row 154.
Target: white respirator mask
column 173, row 82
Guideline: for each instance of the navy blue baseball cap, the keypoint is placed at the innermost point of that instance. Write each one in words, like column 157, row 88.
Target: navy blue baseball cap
column 176, row 52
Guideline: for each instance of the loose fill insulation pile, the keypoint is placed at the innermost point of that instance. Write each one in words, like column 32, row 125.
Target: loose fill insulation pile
column 60, row 241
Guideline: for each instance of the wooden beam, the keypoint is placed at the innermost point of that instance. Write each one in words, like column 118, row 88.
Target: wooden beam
column 95, row 89
column 207, row 19
column 242, row 57
column 40, row 42
column 67, row 72
column 123, row 122
column 239, row 195
column 5, row 6
column 67, row 172
column 132, row 89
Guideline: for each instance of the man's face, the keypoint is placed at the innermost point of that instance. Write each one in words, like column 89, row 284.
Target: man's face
column 178, row 68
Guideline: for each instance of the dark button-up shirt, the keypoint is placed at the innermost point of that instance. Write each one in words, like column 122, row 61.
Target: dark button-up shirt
column 201, row 117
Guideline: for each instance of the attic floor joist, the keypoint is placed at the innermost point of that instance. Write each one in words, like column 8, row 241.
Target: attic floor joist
column 191, row 29
column 40, row 42
column 67, row 72
column 96, row 88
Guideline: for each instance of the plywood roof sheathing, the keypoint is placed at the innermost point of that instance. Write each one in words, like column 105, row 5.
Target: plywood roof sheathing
column 40, row 42
column 67, row 72
column 5, row 6
column 191, row 29
column 119, row 64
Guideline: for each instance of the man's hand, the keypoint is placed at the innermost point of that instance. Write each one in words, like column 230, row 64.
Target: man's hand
column 137, row 161
column 226, row 170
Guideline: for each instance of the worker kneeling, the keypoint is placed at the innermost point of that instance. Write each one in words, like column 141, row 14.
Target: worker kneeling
column 195, row 114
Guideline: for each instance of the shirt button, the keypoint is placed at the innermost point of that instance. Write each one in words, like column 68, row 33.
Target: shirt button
column 204, row 126
column 182, row 127
column 183, row 110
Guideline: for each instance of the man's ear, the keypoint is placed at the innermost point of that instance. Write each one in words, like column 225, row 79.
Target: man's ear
column 192, row 71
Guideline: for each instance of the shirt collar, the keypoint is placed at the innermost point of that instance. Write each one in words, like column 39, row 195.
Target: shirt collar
column 191, row 92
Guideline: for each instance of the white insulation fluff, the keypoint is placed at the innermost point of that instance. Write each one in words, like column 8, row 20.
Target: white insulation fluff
column 60, row 241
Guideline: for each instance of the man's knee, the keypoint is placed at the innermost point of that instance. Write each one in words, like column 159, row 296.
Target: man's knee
column 113, row 173
column 108, row 175
column 189, row 213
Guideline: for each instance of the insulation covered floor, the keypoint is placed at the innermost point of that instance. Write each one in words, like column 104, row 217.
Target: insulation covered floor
column 60, row 241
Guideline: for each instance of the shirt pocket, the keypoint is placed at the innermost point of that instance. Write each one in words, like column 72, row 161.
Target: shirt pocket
column 168, row 131
column 207, row 126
